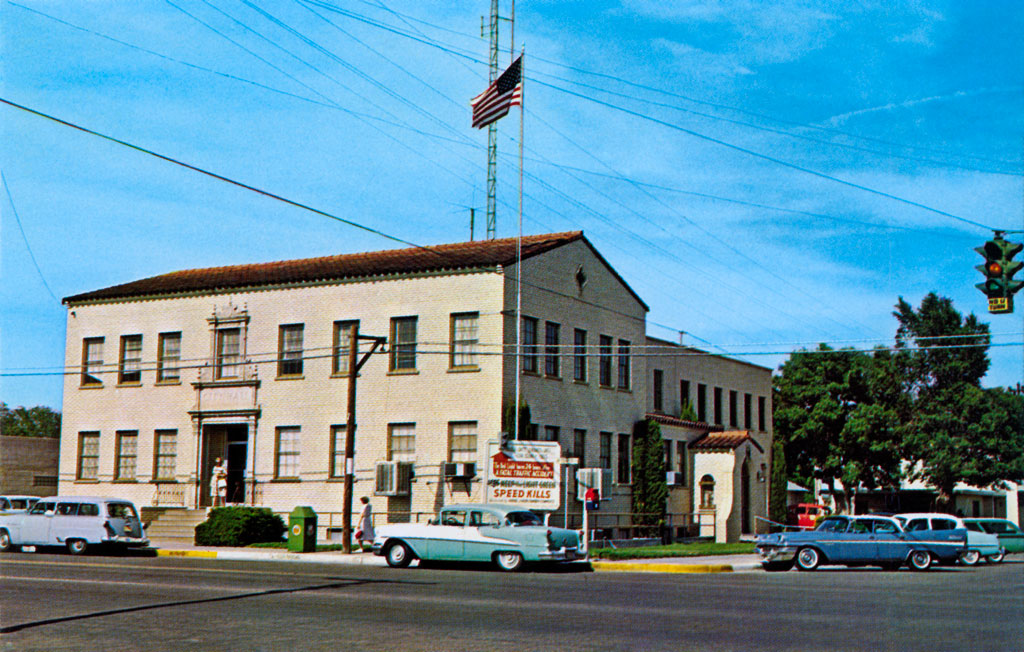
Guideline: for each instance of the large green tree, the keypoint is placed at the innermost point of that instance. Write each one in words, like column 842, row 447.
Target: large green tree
column 39, row 421
column 957, row 431
column 649, row 488
column 837, row 417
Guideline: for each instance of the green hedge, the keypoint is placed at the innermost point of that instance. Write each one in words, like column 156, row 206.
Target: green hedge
column 239, row 526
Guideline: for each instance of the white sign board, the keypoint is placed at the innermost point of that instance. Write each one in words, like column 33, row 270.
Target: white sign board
column 525, row 473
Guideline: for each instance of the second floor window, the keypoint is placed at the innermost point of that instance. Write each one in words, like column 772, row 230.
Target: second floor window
column 402, row 442
column 465, row 337
column 624, row 372
column 605, row 361
column 289, row 358
column 92, row 360
column 129, row 368
column 462, row 441
column 228, row 352
column 342, row 345
column 168, row 358
column 529, row 343
column 659, row 397
column 551, row 330
column 579, row 355
column 403, row 344
column 702, row 402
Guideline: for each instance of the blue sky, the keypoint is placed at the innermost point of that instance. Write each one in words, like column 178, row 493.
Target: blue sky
column 766, row 175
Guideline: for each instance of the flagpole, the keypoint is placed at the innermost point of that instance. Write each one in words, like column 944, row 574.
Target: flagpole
column 519, row 246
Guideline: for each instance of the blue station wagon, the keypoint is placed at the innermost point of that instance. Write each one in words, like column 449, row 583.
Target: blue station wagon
column 506, row 535
column 859, row 541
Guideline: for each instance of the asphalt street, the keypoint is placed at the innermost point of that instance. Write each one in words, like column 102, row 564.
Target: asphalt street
column 58, row 602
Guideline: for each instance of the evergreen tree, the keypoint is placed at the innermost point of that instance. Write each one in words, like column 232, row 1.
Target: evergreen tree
column 649, row 488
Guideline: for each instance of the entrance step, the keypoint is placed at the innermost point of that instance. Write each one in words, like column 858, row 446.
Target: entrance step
column 172, row 525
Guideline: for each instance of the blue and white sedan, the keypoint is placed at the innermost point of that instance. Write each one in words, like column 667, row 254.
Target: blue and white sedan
column 859, row 541
column 506, row 535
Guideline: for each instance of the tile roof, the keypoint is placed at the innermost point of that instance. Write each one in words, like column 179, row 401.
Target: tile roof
column 729, row 440
column 666, row 420
column 458, row 256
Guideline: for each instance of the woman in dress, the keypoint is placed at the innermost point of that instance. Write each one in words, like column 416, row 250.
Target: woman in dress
column 364, row 527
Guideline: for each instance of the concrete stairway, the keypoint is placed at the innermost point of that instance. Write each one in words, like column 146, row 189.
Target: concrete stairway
column 169, row 526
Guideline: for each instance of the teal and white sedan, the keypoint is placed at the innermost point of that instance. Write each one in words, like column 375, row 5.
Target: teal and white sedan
column 507, row 535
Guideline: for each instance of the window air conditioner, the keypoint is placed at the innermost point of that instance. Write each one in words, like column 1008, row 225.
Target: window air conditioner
column 460, row 469
column 393, row 479
column 673, row 478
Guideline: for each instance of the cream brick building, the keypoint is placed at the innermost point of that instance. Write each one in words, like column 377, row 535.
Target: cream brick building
column 249, row 363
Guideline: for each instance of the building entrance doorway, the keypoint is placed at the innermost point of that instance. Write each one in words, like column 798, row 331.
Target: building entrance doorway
column 229, row 442
column 745, row 499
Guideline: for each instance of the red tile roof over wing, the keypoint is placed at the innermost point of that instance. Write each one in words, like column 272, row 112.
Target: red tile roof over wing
column 666, row 420
column 728, row 440
column 458, row 256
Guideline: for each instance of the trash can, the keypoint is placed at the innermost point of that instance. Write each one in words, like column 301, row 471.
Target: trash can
column 302, row 530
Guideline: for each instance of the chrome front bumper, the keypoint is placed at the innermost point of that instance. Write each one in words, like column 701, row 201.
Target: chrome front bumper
column 776, row 553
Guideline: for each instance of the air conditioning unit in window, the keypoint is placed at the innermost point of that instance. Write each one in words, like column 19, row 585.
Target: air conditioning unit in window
column 460, row 469
column 393, row 479
column 673, row 478
column 587, row 478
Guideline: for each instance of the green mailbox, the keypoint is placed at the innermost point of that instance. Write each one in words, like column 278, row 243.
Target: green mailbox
column 302, row 530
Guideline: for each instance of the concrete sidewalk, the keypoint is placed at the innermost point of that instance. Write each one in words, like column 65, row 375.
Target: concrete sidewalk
column 709, row 564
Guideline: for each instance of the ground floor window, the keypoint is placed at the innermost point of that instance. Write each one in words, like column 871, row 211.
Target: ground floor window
column 88, row 455
column 287, row 457
column 707, row 492
column 165, row 454
column 127, row 454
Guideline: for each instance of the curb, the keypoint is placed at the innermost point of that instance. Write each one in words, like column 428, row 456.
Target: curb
column 238, row 555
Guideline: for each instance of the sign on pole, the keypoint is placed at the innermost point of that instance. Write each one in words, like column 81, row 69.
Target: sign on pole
column 524, row 473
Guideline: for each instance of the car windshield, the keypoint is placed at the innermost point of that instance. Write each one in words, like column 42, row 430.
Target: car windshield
column 524, row 518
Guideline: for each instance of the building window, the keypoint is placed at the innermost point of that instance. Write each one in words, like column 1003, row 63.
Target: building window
column 718, row 406
column 761, row 413
column 342, row 344
column 623, row 364
column 462, row 441
column 579, row 446
column 659, row 398
column 605, row 361
column 579, row 355
column 289, row 350
column 402, row 442
column 88, row 456
column 129, row 367
column 92, row 360
column 667, row 444
column 228, row 352
column 734, row 409
column 168, row 358
column 684, row 395
column 748, row 416
column 338, row 451
column 707, row 492
column 606, row 451
column 681, row 458
column 551, row 366
column 286, row 458
column 624, row 475
column 551, row 433
column 465, row 338
column 127, row 454
column 529, row 343
column 702, row 403
column 165, row 454
column 403, row 344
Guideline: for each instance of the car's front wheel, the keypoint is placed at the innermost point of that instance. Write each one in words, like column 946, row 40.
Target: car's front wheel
column 998, row 557
column 970, row 558
column 509, row 562
column 77, row 546
column 808, row 559
column 5, row 542
column 398, row 555
column 920, row 560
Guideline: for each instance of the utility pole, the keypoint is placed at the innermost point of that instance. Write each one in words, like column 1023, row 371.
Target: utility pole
column 350, row 426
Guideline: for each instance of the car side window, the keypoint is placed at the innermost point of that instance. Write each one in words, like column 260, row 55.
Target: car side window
column 859, row 527
column 973, row 527
column 4, row 504
column 917, row 525
column 88, row 509
column 943, row 524
column 41, row 508
column 885, row 527
column 481, row 519
column 456, row 518
column 67, row 509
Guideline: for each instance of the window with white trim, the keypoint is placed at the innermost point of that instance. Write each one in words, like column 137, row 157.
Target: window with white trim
column 129, row 367
column 286, row 459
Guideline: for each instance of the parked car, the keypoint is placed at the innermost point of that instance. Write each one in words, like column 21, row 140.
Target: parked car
column 806, row 515
column 979, row 544
column 1011, row 539
column 73, row 521
column 17, row 503
column 506, row 535
column 858, row 541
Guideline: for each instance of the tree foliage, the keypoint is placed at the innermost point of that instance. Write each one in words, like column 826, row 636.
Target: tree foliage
column 39, row 421
column 649, row 487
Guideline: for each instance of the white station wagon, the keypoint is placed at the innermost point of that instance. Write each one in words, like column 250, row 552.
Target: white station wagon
column 73, row 521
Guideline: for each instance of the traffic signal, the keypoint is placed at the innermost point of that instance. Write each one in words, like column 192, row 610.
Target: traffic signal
column 999, row 268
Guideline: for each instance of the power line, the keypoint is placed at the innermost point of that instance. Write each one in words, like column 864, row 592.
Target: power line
column 14, row 211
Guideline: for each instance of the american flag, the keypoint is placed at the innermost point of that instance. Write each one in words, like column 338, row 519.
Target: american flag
column 504, row 92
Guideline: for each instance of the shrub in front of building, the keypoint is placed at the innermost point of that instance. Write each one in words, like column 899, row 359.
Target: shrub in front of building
column 240, row 526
